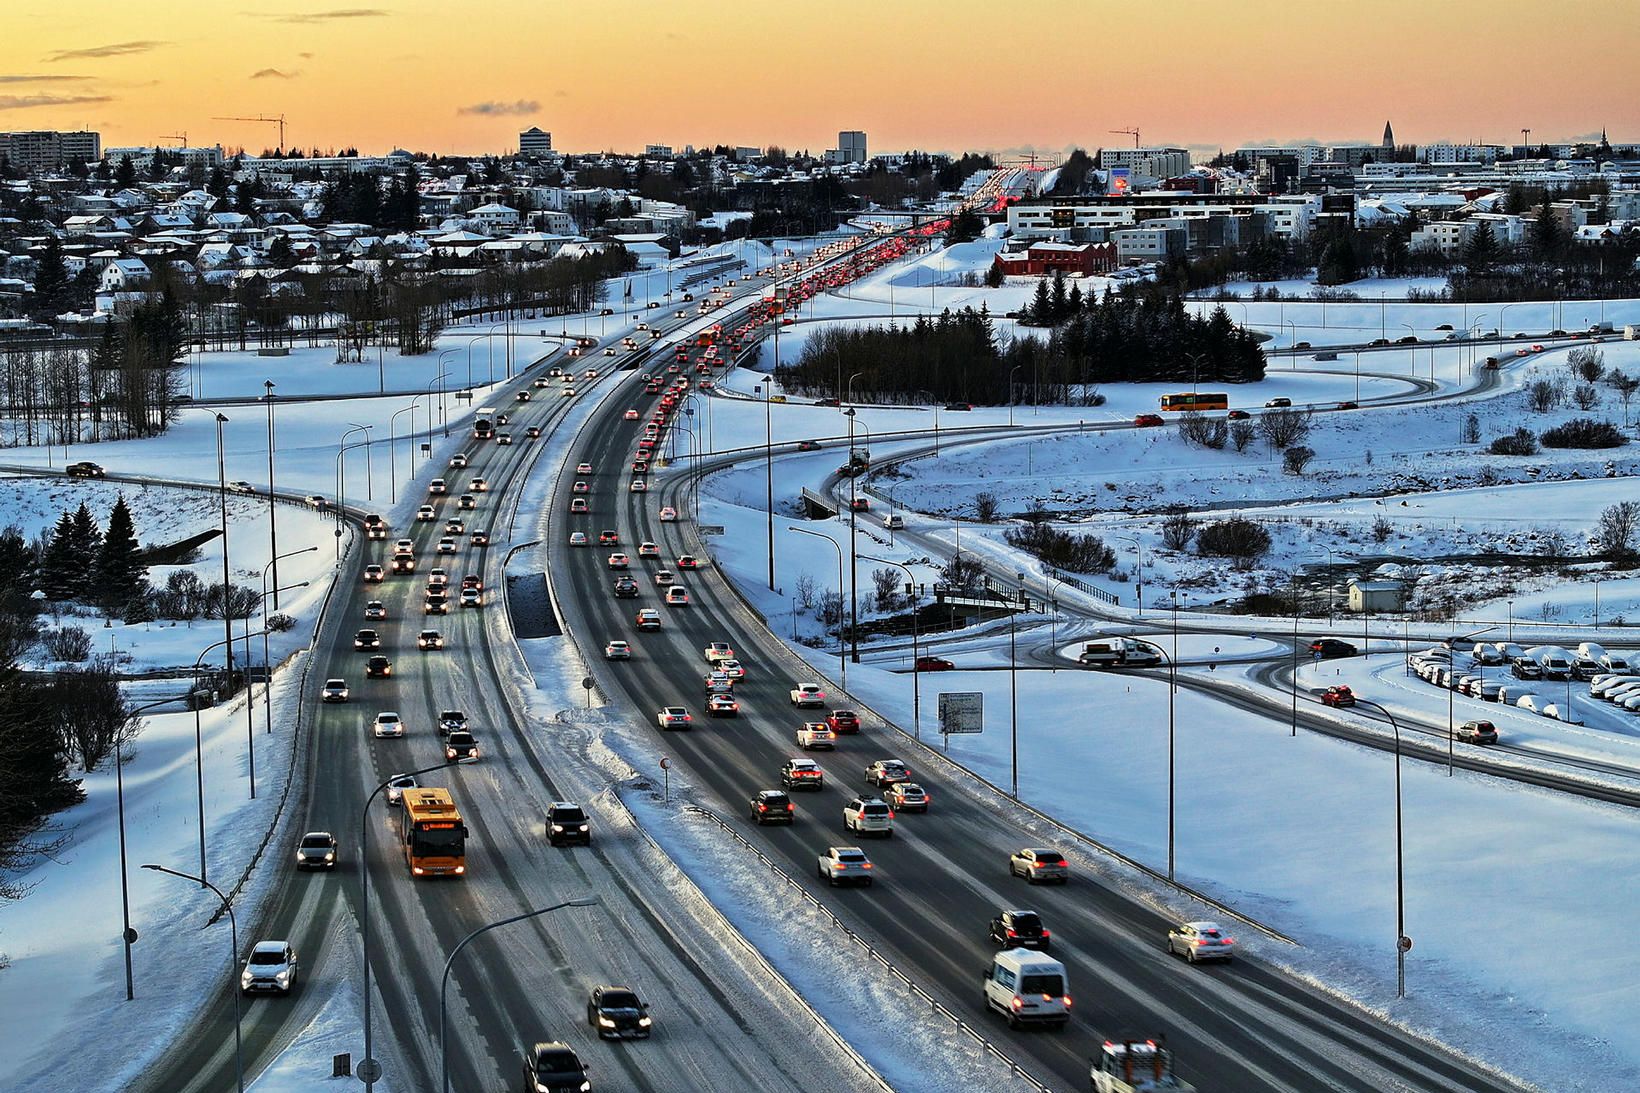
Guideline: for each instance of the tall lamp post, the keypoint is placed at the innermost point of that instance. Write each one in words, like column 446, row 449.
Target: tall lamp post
column 233, row 963
column 439, row 380
column 267, row 665
column 341, row 480
column 444, row 982
column 1013, row 689
column 853, row 561
column 1138, row 568
column 842, row 657
column 916, row 681
column 1011, row 372
column 443, row 409
column 392, row 441
column 227, row 583
column 369, row 1069
column 1402, row 941
column 273, row 511
column 767, row 389
column 1173, row 677
column 128, row 935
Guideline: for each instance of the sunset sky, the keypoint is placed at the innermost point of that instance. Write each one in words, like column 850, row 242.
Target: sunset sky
column 442, row 76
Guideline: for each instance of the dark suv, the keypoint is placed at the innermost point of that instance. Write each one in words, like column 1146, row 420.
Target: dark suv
column 553, row 1068
column 367, row 639
column 378, row 667
column 1332, row 647
column 567, row 825
column 771, row 806
column 1019, row 930
column 618, row 1012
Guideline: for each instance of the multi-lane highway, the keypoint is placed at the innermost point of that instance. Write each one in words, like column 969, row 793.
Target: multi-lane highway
column 944, row 875
column 718, row 1023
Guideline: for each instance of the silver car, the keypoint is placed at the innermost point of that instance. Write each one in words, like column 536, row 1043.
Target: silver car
column 1196, row 941
column 270, row 967
column 317, row 850
column 1039, row 865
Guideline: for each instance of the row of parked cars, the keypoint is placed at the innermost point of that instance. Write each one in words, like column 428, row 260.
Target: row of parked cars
column 1517, row 669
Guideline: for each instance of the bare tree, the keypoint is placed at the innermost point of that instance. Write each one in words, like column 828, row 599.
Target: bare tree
column 1282, row 428
column 1196, row 427
column 885, row 585
column 961, row 572
column 1626, row 385
column 805, row 591
column 1178, row 528
column 1295, row 459
column 1586, row 363
column 89, row 712
column 1615, row 528
column 831, row 608
column 1242, row 432
column 986, row 507
column 1585, row 396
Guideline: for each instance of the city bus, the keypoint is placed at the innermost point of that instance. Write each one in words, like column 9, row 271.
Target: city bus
column 432, row 834
column 1189, row 401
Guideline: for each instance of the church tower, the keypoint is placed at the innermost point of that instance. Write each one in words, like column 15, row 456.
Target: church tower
column 1389, row 143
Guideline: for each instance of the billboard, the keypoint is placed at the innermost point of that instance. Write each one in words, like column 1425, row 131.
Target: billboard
column 962, row 712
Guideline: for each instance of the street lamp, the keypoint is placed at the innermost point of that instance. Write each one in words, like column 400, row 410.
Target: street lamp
column 438, row 379
column 128, row 935
column 392, row 440
column 444, row 982
column 341, row 478
column 233, row 965
column 267, row 665
column 1138, row 569
column 1013, row 686
column 369, row 1069
column 853, row 562
column 443, row 411
column 916, row 675
column 767, row 390
column 227, row 583
column 1011, row 372
column 1402, row 942
column 273, row 504
column 842, row 659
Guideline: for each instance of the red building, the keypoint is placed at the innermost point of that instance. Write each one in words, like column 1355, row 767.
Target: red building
column 1073, row 259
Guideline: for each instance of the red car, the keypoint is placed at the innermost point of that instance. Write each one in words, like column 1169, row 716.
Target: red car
column 843, row 721
column 934, row 664
column 1349, row 406
column 1237, row 415
column 1339, row 697
column 1145, row 420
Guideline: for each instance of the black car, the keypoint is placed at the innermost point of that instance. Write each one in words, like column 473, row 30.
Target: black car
column 367, row 639
column 626, row 588
column 771, row 806
column 828, row 402
column 1332, row 647
column 461, row 747
column 618, row 1013
column 959, row 406
column 378, row 667
column 553, row 1068
column 567, row 825
column 1020, row 930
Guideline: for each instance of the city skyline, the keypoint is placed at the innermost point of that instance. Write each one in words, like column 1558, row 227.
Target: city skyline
column 400, row 74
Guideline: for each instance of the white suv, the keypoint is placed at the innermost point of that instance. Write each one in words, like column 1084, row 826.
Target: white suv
column 869, row 814
column 808, row 694
column 388, row 724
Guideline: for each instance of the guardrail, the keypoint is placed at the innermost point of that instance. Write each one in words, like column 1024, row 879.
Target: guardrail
column 934, row 1004
column 1083, row 586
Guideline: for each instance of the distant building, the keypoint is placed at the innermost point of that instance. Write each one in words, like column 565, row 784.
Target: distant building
column 1388, row 146
column 534, row 144
column 1153, row 163
column 143, row 155
column 657, row 151
column 851, row 143
column 746, row 155
column 1075, row 259
column 1369, row 596
column 44, row 151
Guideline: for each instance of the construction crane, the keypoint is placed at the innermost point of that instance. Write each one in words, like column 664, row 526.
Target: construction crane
column 1134, row 133
column 183, row 137
column 279, row 121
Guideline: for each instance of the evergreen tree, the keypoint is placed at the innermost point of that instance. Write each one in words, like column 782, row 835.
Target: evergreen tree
column 50, row 278
column 121, row 576
column 1060, row 302
column 59, row 571
column 17, row 562
column 85, row 541
column 1482, row 249
column 216, row 183
column 1040, row 311
column 1545, row 232
column 1073, row 302
column 125, row 174
column 279, row 252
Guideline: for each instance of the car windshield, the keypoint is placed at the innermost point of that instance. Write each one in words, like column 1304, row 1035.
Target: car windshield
column 569, row 815
column 852, row 858
column 1042, row 983
column 557, row 1064
column 620, row 1000
column 1210, row 932
column 316, row 842
column 270, row 957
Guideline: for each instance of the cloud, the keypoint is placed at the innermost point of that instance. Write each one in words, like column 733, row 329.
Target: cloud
column 502, row 109
column 29, row 102
column 274, row 73
column 329, row 16
column 117, row 49
column 43, row 79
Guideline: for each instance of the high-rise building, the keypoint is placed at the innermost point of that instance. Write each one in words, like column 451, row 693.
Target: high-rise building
column 43, row 151
column 851, row 146
column 534, row 144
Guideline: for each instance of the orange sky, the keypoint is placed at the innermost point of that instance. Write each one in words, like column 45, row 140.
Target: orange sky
column 442, row 76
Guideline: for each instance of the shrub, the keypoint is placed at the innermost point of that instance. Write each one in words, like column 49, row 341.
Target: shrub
column 1519, row 442
column 1073, row 551
column 67, row 643
column 1584, row 432
column 1585, row 397
column 279, row 622
column 1238, row 538
column 1295, row 459
column 1242, row 433
column 1178, row 529
column 1282, row 428
column 985, row 507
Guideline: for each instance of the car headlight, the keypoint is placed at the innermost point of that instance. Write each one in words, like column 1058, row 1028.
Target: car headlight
column 643, row 1022
column 330, row 855
column 557, row 827
column 586, row 1087
column 283, row 977
column 606, row 1022
column 583, row 827
column 245, row 978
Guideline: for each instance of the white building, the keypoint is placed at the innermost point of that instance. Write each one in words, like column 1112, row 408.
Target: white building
column 1446, row 152
column 1290, row 215
column 851, row 144
column 1448, row 237
column 1146, row 162
column 142, row 156
column 495, row 218
column 657, row 151
column 1146, row 244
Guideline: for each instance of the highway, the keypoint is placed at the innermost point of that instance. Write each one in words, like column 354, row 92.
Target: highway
column 943, row 875
column 717, row 1024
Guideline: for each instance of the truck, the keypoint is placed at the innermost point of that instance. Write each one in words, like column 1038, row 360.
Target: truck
column 484, row 423
column 1631, row 333
column 1136, row 1066
column 1117, row 652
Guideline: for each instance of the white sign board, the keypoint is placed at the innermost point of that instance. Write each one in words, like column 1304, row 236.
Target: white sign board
column 962, row 711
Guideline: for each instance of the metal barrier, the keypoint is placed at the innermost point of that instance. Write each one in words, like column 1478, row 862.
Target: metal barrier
column 882, row 961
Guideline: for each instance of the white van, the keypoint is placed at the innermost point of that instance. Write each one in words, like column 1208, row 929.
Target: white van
column 1613, row 662
column 1555, row 662
column 1118, row 653
column 1590, row 650
column 1028, row 987
column 894, row 521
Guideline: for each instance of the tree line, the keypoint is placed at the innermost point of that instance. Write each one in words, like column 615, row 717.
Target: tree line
column 1139, row 337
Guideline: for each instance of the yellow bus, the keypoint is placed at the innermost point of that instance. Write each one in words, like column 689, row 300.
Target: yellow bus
column 1189, row 401
column 432, row 834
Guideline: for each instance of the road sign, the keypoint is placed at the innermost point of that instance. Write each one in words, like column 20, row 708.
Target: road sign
column 586, row 683
column 370, row 1071
column 1405, row 944
column 962, row 712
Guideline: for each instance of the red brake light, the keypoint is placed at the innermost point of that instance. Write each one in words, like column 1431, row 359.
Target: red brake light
column 1012, row 934
column 1045, row 933
column 790, row 807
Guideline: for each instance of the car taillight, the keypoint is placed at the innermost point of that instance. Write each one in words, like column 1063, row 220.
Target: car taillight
column 1067, row 1001
column 1012, row 934
column 1045, row 933
column 1037, row 864
column 790, row 807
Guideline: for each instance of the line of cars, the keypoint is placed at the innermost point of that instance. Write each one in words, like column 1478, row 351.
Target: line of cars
column 1520, row 671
